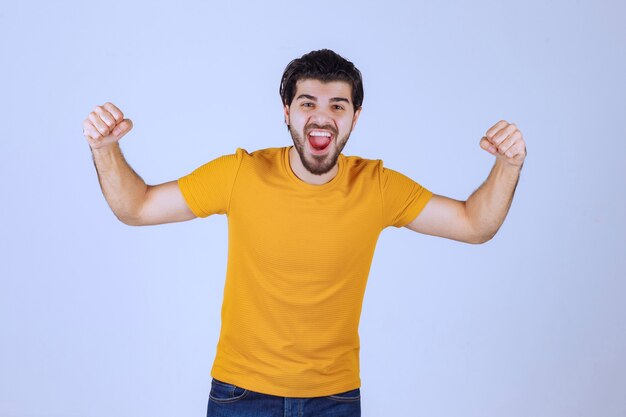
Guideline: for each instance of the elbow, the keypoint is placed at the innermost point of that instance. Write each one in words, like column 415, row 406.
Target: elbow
column 130, row 220
column 479, row 240
column 133, row 222
column 130, row 213
column 482, row 236
column 478, row 230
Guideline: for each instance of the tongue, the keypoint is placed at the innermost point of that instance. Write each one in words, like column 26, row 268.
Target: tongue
column 319, row 142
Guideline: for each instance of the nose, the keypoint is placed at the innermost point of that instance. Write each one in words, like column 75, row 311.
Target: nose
column 321, row 117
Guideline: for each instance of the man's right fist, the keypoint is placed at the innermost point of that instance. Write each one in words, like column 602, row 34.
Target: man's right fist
column 105, row 125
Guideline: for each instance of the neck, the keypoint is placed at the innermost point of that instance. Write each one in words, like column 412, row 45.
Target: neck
column 301, row 172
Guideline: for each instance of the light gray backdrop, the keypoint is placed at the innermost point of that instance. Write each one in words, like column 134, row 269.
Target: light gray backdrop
column 102, row 319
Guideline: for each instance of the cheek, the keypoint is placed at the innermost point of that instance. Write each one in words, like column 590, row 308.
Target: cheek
column 297, row 120
column 345, row 126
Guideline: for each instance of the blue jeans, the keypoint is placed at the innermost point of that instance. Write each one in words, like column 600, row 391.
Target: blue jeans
column 227, row 400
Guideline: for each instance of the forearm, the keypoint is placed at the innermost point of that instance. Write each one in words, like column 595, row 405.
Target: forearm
column 488, row 206
column 123, row 189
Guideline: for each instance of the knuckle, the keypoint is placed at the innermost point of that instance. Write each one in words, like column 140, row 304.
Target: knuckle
column 115, row 112
column 107, row 118
column 91, row 134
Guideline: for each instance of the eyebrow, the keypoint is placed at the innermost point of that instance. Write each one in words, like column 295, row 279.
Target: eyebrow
column 333, row 100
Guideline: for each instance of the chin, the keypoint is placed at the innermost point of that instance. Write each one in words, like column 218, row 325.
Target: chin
column 317, row 164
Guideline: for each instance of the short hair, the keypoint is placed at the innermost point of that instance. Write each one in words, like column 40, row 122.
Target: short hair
column 323, row 65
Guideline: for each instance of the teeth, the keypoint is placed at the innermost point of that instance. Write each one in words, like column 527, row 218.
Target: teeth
column 320, row 134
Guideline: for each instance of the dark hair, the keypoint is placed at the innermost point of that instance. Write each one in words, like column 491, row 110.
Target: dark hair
column 323, row 65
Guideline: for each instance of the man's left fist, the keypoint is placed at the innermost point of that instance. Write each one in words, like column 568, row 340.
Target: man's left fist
column 505, row 141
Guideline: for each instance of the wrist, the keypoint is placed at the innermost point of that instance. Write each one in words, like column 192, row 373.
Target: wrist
column 513, row 166
column 104, row 149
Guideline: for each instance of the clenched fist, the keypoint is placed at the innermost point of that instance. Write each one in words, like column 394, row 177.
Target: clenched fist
column 505, row 141
column 105, row 125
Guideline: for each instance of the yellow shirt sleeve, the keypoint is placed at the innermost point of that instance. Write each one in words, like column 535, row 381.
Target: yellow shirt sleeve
column 403, row 198
column 207, row 189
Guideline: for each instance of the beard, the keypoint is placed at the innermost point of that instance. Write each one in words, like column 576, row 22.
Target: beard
column 318, row 164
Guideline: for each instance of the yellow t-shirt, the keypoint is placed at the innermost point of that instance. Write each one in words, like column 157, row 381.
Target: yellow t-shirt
column 298, row 260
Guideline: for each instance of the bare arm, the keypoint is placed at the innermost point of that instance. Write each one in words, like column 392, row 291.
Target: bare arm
column 133, row 201
column 478, row 219
column 488, row 206
column 164, row 203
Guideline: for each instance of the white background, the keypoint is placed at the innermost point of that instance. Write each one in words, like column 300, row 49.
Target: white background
column 102, row 319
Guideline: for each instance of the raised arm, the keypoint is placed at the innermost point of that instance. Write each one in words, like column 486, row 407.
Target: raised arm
column 478, row 219
column 133, row 201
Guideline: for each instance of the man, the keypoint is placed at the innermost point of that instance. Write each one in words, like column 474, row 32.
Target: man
column 303, row 223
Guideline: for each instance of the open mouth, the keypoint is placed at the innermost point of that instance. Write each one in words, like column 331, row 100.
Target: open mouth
column 319, row 140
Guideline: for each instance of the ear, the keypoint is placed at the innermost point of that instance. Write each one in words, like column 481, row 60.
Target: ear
column 286, row 110
column 355, row 117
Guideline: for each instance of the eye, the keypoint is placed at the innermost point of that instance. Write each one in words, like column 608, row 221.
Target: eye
column 338, row 107
column 307, row 104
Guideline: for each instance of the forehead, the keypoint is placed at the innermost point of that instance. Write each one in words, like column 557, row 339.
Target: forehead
column 323, row 90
